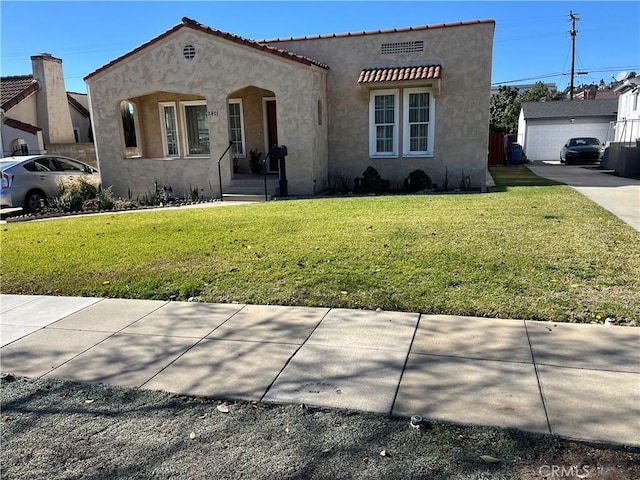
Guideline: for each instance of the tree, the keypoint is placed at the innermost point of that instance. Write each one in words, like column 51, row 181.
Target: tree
column 500, row 110
column 506, row 104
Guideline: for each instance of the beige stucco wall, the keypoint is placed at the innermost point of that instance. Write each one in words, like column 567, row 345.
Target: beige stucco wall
column 462, row 108
column 83, row 151
column 78, row 120
column 53, row 107
column 219, row 68
column 34, row 142
column 25, row 111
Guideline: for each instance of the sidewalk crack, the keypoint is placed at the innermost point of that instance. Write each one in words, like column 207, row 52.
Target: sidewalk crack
column 535, row 368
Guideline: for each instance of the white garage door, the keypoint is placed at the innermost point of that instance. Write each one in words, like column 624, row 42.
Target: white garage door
column 544, row 140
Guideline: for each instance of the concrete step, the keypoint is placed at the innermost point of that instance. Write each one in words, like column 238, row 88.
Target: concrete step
column 245, row 197
column 251, row 190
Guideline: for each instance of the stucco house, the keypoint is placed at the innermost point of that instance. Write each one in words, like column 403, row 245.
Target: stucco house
column 40, row 116
column 397, row 100
column 544, row 127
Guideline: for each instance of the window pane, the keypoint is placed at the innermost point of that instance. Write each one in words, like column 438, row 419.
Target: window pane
column 384, row 118
column 235, row 126
column 384, row 109
column 418, row 119
column 384, row 138
column 419, row 138
column 197, row 129
column 418, row 107
column 171, row 130
column 64, row 164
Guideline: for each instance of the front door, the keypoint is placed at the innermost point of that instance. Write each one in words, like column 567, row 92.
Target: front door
column 272, row 132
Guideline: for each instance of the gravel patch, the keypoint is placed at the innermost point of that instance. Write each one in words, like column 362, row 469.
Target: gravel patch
column 63, row 430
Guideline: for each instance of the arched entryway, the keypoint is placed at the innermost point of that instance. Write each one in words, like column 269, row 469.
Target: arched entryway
column 252, row 129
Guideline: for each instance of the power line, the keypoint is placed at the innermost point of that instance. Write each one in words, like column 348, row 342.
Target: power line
column 562, row 74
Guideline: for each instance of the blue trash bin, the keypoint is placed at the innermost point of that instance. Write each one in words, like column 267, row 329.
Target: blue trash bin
column 515, row 153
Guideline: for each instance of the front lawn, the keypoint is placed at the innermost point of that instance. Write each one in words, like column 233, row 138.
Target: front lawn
column 535, row 252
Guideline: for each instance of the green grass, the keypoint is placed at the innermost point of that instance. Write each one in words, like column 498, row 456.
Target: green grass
column 543, row 253
column 517, row 176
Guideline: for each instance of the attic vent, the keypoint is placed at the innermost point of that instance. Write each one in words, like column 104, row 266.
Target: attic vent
column 402, row 47
column 189, row 51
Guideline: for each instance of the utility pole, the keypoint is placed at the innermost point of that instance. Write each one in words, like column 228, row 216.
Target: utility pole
column 573, row 18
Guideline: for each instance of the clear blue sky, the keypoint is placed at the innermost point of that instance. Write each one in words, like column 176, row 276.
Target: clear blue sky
column 531, row 40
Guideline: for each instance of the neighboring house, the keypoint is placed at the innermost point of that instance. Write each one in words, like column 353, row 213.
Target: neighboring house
column 627, row 127
column 544, row 127
column 80, row 116
column 397, row 100
column 38, row 115
column 593, row 92
column 623, row 154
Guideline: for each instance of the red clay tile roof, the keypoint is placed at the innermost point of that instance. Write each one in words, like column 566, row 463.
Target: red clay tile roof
column 77, row 105
column 15, row 89
column 189, row 23
column 395, row 74
column 25, row 127
column 390, row 30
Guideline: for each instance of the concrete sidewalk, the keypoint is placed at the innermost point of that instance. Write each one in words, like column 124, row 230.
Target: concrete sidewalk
column 576, row 381
column 619, row 195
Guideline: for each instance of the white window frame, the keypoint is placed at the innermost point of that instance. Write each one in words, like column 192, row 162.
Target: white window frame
column 406, row 127
column 372, row 125
column 165, row 144
column 185, row 137
column 242, row 129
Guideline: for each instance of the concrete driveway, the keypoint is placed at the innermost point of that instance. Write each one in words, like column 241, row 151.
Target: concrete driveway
column 619, row 195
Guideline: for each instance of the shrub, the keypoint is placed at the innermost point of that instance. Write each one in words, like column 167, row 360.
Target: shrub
column 74, row 194
column 105, row 199
column 371, row 182
column 340, row 184
column 416, row 181
column 465, row 182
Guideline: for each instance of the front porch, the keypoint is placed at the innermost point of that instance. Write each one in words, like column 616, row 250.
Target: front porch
column 251, row 187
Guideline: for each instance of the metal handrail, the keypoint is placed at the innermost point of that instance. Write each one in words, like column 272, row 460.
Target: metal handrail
column 264, row 173
column 219, row 173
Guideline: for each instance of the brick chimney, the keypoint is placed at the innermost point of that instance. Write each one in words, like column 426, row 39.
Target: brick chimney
column 53, row 107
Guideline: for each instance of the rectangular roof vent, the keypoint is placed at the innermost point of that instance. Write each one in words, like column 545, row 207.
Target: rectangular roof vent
column 402, row 47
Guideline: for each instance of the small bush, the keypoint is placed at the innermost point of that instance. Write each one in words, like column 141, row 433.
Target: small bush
column 465, row 182
column 371, row 182
column 106, row 200
column 74, row 194
column 340, row 184
column 416, row 181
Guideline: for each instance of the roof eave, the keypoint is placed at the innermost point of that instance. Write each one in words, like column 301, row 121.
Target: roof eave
column 23, row 95
column 390, row 30
column 193, row 25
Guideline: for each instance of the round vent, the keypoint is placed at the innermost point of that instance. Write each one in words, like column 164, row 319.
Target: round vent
column 189, row 52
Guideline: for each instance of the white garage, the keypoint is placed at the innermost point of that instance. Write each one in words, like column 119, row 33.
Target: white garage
column 544, row 127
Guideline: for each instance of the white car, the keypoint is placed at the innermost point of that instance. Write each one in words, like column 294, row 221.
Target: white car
column 29, row 181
